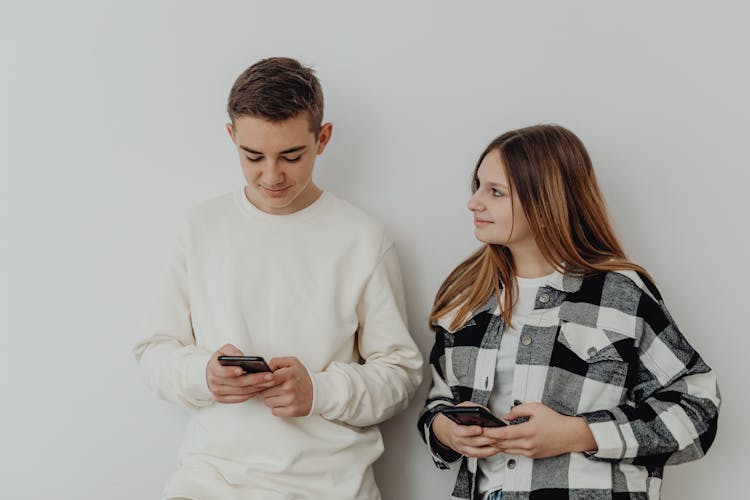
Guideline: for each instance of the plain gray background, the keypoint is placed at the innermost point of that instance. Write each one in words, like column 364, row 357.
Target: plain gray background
column 112, row 124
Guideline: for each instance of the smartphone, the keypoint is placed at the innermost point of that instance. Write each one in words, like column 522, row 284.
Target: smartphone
column 250, row 364
column 472, row 415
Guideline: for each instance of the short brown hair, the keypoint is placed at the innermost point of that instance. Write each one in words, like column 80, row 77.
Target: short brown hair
column 277, row 89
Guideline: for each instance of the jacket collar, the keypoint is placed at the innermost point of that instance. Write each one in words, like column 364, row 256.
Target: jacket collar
column 446, row 319
column 565, row 283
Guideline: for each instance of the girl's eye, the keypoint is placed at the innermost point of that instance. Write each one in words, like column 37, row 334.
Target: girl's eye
column 496, row 193
column 254, row 160
column 293, row 160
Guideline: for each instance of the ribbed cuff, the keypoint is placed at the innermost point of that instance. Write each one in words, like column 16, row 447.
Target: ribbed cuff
column 329, row 390
column 195, row 377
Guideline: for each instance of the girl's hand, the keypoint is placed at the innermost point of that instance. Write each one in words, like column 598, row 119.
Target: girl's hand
column 546, row 433
column 465, row 439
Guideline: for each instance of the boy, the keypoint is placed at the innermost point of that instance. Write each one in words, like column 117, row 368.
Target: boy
column 284, row 270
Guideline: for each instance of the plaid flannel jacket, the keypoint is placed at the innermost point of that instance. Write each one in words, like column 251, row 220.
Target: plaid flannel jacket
column 603, row 348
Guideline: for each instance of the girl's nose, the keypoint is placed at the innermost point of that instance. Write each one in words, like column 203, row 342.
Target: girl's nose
column 474, row 204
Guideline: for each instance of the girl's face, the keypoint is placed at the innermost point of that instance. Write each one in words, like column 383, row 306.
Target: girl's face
column 498, row 216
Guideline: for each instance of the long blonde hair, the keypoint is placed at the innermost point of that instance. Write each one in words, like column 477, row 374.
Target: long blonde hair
column 551, row 174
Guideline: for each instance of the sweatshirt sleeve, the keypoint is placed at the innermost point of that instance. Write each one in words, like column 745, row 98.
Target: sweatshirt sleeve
column 363, row 394
column 673, row 404
column 174, row 366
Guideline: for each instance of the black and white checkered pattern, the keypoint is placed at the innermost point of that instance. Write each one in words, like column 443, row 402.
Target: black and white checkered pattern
column 604, row 348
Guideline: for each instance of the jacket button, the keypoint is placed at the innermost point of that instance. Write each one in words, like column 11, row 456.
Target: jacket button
column 591, row 352
column 544, row 298
column 511, row 463
column 526, row 339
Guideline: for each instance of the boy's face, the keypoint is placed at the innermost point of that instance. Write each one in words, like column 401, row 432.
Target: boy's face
column 277, row 161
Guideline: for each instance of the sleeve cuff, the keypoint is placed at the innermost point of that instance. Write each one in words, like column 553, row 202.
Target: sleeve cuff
column 314, row 391
column 441, row 455
column 328, row 392
column 609, row 440
column 195, row 377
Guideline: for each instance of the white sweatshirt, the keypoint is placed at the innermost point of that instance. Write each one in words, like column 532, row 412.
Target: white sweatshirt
column 322, row 284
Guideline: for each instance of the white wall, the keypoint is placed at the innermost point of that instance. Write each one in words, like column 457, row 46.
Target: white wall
column 112, row 121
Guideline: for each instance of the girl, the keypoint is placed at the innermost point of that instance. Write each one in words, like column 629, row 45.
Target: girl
column 552, row 328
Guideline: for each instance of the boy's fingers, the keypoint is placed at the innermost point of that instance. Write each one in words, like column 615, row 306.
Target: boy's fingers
column 258, row 379
column 226, row 371
column 284, row 362
column 229, row 350
column 233, row 390
column 272, row 392
column 233, row 399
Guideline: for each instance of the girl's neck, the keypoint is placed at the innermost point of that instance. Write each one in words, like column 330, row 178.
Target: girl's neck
column 530, row 263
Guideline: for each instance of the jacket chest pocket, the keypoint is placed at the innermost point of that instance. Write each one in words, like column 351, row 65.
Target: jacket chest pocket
column 588, row 368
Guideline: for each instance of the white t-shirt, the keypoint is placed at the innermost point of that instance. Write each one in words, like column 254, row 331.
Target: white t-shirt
column 491, row 469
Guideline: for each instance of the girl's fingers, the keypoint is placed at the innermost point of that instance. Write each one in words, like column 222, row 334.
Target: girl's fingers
column 517, row 451
column 479, row 452
column 515, row 444
column 467, row 430
column 476, row 442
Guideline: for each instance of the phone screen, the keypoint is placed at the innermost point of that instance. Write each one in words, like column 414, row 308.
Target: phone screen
column 472, row 415
column 250, row 364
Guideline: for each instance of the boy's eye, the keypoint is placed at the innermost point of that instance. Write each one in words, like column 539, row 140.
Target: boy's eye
column 254, row 159
column 293, row 160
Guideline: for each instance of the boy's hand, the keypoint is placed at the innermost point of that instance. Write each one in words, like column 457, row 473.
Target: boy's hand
column 291, row 394
column 230, row 384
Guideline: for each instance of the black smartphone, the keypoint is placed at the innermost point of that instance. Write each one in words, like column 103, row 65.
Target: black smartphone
column 251, row 364
column 472, row 415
